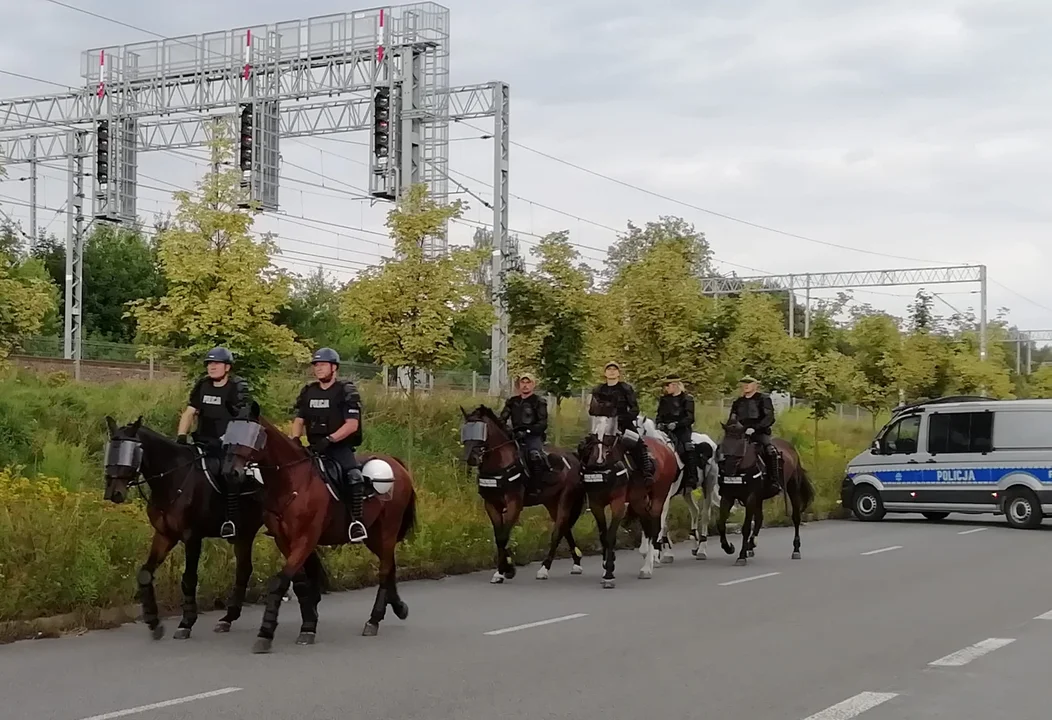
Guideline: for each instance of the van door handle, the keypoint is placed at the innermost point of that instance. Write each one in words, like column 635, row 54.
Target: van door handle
column 912, row 462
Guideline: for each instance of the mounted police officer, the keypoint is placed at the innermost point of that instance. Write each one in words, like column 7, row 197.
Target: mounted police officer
column 215, row 400
column 329, row 412
column 527, row 416
column 622, row 396
column 675, row 418
column 755, row 411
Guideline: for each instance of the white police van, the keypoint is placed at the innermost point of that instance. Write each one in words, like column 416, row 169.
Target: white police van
column 957, row 454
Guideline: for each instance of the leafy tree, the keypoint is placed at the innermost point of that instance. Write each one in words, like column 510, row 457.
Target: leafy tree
column 759, row 345
column 413, row 308
column 120, row 266
column 826, row 376
column 1039, row 384
column 925, row 366
column 26, row 298
column 876, row 343
column 657, row 312
column 632, row 246
column 550, row 307
column 313, row 313
column 222, row 288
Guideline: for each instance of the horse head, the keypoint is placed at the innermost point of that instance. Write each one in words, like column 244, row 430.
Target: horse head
column 483, row 433
column 123, row 459
column 736, row 454
column 598, row 446
column 244, row 438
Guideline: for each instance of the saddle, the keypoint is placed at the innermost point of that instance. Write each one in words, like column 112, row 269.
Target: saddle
column 332, row 476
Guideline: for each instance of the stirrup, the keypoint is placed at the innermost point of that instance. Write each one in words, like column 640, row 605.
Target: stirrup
column 227, row 530
column 356, row 532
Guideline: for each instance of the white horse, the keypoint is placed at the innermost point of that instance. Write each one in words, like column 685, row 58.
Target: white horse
column 710, row 501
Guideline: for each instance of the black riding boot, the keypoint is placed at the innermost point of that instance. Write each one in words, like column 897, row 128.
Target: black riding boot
column 646, row 462
column 774, row 472
column 233, row 493
column 356, row 499
column 690, row 470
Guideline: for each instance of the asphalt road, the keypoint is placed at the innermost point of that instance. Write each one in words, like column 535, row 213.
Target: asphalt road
column 850, row 630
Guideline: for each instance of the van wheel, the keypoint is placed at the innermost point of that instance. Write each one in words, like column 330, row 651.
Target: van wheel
column 867, row 505
column 936, row 516
column 1022, row 509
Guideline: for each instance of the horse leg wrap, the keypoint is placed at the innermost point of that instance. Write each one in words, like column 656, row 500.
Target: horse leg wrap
column 379, row 606
column 146, row 596
column 309, row 598
column 189, row 589
column 234, row 602
column 277, row 586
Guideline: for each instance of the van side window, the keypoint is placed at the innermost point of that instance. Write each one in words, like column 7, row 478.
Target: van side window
column 960, row 432
column 902, row 437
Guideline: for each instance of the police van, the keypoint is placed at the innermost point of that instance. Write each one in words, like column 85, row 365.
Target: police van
column 957, row 454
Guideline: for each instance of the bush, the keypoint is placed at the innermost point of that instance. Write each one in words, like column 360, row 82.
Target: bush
column 63, row 549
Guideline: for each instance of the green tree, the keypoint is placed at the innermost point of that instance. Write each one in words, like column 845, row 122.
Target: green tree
column 26, row 298
column 759, row 345
column 222, row 288
column 826, row 377
column 313, row 313
column 413, row 308
column 120, row 266
column 656, row 313
column 876, row 345
column 925, row 366
column 632, row 246
column 550, row 307
column 1039, row 384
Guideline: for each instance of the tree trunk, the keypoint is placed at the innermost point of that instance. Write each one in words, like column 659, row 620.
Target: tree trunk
column 558, row 421
column 816, row 442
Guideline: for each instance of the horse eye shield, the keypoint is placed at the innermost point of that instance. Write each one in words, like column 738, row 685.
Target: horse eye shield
column 124, row 454
column 473, row 431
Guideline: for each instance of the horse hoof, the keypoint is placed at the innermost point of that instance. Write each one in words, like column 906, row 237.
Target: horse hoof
column 261, row 646
column 222, row 627
column 729, row 548
column 510, row 572
column 741, row 561
column 401, row 610
column 645, row 575
column 702, row 555
column 608, row 584
column 751, row 553
column 370, row 629
column 306, row 638
column 542, row 573
column 158, row 632
column 577, row 570
column 694, row 551
column 796, row 554
column 667, row 559
column 497, row 579
column 181, row 633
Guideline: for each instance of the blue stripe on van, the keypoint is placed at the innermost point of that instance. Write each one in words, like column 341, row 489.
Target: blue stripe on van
column 956, row 476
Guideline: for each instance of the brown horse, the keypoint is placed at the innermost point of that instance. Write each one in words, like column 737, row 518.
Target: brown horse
column 302, row 513
column 611, row 482
column 184, row 507
column 503, row 487
column 743, row 480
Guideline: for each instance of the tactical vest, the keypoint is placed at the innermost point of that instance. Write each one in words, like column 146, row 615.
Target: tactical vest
column 324, row 412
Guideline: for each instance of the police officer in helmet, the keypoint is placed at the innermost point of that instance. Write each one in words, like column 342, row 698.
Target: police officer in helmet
column 675, row 418
column 755, row 411
column 215, row 400
column 527, row 415
column 622, row 396
column 329, row 412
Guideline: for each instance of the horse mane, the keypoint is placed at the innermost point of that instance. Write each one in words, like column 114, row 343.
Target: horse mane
column 486, row 411
column 273, row 430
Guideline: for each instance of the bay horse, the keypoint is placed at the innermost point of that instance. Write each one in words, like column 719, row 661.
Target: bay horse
column 302, row 513
column 611, row 482
column 743, row 480
column 183, row 506
column 490, row 449
column 700, row 514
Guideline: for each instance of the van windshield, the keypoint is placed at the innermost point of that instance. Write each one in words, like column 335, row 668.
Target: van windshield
column 901, row 437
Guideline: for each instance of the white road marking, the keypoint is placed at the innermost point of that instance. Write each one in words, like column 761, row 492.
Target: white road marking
column 972, row 652
column 883, row 550
column 749, row 579
column 853, row 706
column 539, row 623
column 973, row 530
column 166, row 703
column 1045, row 616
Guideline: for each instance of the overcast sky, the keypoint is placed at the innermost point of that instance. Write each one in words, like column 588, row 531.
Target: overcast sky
column 918, row 130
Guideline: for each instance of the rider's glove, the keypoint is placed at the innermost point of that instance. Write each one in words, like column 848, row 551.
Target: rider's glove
column 321, row 445
column 183, row 439
column 671, row 426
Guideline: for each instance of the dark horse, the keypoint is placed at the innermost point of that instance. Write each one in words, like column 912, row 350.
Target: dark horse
column 182, row 507
column 742, row 479
column 301, row 513
column 611, row 482
column 502, row 486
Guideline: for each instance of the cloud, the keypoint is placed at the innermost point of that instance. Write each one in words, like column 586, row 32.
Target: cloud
column 918, row 130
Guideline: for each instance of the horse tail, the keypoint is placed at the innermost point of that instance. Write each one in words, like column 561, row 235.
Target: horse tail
column 408, row 517
column 805, row 487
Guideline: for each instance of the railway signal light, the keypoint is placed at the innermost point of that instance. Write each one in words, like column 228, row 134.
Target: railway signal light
column 102, row 152
column 245, row 145
column 381, row 121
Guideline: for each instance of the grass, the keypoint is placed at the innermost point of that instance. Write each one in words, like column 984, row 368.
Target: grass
column 64, row 550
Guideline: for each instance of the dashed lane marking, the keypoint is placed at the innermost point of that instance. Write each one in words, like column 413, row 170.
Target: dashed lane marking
column 973, row 530
column 883, row 550
column 972, row 652
column 1045, row 616
column 853, row 706
column 749, row 579
column 166, row 703
column 539, row 623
